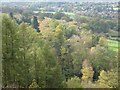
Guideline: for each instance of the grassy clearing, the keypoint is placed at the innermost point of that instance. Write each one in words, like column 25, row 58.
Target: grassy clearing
column 113, row 45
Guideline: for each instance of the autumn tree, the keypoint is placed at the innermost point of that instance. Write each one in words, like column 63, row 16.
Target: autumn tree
column 87, row 72
column 108, row 79
column 58, row 39
column 43, row 26
column 34, row 85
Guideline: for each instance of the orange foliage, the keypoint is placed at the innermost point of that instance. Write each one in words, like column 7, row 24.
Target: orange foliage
column 44, row 24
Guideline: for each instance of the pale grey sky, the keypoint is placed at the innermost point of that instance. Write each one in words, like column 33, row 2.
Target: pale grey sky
column 59, row 0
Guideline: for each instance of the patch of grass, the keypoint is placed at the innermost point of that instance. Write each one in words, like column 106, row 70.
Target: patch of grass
column 113, row 45
column 69, row 13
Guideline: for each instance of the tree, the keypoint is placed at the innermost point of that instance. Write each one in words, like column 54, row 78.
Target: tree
column 74, row 82
column 58, row 15
column 86, row 38
column 43, row 26
column 101, row 59
column 66, row 62
column 11, row 15
column 97, row 25
column 81, row 19
column 34, row 85
column 35, row 24
column 78, row 53
column 53, row 24
column 87, row 72
column 9, row 50
column 85, row 26
column 108, row 79
column 70, row 31
column 58, row 38
column 26, row 37
column 53, row 74
column 103, row 41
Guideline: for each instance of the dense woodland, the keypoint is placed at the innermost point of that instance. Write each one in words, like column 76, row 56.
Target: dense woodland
column 58, row 52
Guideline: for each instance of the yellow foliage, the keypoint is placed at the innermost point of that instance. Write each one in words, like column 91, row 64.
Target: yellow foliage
column 103, row 41
column 87, row 71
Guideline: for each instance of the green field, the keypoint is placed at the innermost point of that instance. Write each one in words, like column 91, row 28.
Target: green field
column 113, row 45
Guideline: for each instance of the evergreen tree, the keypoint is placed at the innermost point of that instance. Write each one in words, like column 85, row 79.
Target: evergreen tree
column 35, row 24
column 11, row 15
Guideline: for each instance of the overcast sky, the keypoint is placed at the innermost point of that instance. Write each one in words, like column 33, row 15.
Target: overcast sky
column 59, row 0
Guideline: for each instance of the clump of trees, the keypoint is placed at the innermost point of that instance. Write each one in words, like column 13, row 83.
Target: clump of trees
column 59, row 56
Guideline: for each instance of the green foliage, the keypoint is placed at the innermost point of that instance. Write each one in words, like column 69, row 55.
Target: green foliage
column 70, row 31
column 101, row 59
column 85, row 26
column 66, row 63
column 54, row 56
column 74, row 82
column 25, row 40
column 98, row 25
column 53, row 24
column 9, row 49
column 58, row 15
column 86, row 38
column 81, row 19
column 53, row 74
